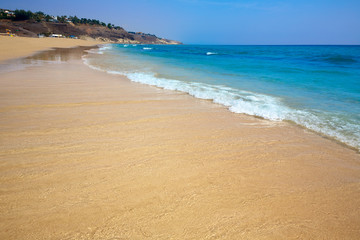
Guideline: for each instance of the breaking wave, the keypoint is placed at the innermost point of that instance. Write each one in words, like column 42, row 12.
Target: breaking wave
column 252, row 103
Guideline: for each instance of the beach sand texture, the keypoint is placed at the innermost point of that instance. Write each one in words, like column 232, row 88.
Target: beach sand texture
column 88, row 155
column 15, row 47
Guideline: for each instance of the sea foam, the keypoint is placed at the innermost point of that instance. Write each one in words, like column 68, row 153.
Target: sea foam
column 250, row 103
column 101, row 49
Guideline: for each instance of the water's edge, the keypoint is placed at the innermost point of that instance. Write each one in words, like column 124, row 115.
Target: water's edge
column 223, row 92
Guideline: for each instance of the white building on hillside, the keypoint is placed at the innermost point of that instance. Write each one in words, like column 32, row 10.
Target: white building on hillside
column 56, row 35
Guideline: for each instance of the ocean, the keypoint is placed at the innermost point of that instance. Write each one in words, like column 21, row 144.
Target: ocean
column 317, row 87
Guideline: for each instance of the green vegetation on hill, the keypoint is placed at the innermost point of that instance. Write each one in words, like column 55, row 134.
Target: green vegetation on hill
column 21, row 15
column 39, row 24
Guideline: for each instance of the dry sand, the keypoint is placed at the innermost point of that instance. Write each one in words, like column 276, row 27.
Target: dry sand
column 87, row 155
column 15, row 47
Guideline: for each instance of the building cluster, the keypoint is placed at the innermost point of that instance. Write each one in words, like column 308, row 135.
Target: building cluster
column 7, row 13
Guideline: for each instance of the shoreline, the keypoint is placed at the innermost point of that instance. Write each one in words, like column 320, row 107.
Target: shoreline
column 12, row 48
column 82, row 48
column 333, row 139
column 341, row 141
column 92, row 155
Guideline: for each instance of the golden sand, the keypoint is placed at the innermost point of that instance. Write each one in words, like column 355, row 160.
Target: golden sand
column 87, row 155
column 14, row 47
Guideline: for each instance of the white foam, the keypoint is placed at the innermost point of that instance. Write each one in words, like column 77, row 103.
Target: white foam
column 240, row 101
column 330, row 125
column 237, row 101
column 211, row 53
column 87, row 63
column 105, row 47
column 100, row 50
column 147, row 48
column 94, row 51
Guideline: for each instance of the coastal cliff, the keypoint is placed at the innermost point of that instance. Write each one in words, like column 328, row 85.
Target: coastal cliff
column 27, row 24
column 29, row 28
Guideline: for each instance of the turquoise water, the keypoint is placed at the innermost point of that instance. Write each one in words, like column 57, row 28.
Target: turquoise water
column 317, row 87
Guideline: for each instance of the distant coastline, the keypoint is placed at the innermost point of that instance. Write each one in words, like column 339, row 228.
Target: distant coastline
column 28, row 24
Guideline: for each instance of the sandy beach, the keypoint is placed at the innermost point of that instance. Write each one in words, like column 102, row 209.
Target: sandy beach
column 89, row 155
column 15, row 47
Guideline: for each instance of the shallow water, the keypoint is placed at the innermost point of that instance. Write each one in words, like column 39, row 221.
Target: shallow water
column 52, row 56
column 314, row 86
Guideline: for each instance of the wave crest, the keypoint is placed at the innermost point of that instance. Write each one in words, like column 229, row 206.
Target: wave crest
column 255, row 104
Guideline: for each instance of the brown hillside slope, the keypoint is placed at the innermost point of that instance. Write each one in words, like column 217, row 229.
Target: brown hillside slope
column 32, row 28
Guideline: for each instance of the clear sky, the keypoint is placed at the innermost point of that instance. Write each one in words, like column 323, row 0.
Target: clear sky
column 219, row 22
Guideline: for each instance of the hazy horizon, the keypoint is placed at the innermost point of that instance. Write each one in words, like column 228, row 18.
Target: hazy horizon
column 316, row 22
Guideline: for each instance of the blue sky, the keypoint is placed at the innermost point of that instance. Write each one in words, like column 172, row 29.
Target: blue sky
column 219, row 22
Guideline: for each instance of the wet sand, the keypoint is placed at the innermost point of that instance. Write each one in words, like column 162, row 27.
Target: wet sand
column 15, row 47
column 87, row 155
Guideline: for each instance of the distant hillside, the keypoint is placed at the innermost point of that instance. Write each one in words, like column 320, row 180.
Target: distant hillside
column 28, row 24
